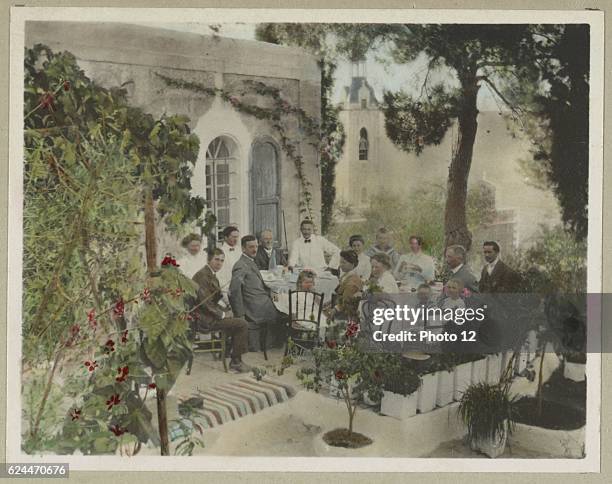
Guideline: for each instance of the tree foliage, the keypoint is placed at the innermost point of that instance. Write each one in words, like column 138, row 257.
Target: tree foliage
column 420, row 213
column 315, row 39
column 90, row 161
column 560, row 126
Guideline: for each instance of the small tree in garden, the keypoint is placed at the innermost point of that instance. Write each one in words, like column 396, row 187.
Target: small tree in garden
column 93, row 165
column 353, row 372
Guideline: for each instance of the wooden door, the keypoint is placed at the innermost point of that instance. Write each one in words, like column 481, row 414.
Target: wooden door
column 265, row 189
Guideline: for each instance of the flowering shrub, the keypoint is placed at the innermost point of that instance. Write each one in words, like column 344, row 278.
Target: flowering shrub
column 342, row 363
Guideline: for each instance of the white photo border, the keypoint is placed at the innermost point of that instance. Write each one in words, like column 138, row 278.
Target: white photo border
column 19, row 17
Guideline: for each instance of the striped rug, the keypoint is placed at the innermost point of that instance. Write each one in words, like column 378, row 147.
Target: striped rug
column 239, row 398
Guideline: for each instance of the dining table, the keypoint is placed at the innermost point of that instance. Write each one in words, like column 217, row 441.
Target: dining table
column 281, row 282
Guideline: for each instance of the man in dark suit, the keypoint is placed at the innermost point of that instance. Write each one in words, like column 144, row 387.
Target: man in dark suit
column 455, row 260
column 249, row 296
column 497, row 276
column 213, row 316
column 268, row 257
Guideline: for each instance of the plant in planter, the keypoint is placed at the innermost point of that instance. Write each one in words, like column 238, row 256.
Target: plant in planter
column 400, row 387
column 353, row 372
column 488, row 412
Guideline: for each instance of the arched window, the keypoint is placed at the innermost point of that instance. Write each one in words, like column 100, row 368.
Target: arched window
column 220, row 157
column 363, row 144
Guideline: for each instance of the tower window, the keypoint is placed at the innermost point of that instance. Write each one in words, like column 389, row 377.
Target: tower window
column 363, row 144
column 364, row 104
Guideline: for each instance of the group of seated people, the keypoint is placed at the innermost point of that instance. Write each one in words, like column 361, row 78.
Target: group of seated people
column 234, row 297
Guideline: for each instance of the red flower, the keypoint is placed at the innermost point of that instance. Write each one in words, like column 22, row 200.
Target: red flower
column 123, row 373
column 352, row 328
column 466, row 292
column 146, row 294
column 113, row 400
column 75, row 329
column 331, row 344
column 75, row 413
column 169, row 261
column 124, row 336
column 189, row 317
column 152, row 386
column 340, row 375
column 66, row 85
column 178, row 291
column 46, row 101
column 119, row 308
column 109, row 346
column 118, row 431
column 91, row 365
column 91, row 318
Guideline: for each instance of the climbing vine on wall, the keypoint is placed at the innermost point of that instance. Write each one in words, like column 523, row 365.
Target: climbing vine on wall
column 332, row 143
column 275, row 116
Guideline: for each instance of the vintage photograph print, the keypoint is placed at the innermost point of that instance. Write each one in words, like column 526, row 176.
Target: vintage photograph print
column 247, row 234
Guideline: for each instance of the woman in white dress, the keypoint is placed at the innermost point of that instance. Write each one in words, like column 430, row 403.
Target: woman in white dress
column 364, row 268
column 194, row 258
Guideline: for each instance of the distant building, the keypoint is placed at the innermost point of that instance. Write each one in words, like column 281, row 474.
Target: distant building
column 371, row 164
column 241, row 171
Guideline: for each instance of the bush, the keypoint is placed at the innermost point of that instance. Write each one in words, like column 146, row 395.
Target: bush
column 555, row 262
column 487, row 410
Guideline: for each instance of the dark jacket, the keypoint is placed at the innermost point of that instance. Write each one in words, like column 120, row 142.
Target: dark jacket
column 263, row 261
column 248, row 294
column 209, row 296
column 502, row 279
column 466, row 276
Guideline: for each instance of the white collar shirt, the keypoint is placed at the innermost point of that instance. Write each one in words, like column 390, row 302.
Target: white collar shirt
column 231, row 257
column 457, row 269
column 310, row 253
column 491, row 266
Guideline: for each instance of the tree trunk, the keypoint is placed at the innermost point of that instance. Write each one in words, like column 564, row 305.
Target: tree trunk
column 151, row 249
column 150, row 240
column 539, row 392
column 455, row 220
column 162, row 419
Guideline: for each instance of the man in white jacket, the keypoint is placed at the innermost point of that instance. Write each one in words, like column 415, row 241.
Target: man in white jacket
column 309, row 250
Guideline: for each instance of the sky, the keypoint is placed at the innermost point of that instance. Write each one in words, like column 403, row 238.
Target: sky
column 394, row 77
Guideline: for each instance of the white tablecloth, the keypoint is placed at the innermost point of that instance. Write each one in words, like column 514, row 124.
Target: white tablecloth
column 325, row 284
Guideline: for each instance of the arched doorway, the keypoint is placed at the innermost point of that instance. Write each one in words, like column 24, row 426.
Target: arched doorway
column 265, row 188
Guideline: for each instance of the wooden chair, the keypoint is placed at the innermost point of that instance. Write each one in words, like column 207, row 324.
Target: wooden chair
column 305, row 309
column 215, row 344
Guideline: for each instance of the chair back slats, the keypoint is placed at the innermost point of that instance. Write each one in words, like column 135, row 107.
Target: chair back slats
column 306, row 306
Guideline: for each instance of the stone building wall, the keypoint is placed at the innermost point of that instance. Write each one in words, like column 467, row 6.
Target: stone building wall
column 126, row 55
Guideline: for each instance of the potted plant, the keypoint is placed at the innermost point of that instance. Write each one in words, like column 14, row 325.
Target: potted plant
column 400, row 391
column 352, row 372
column 488, row 412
